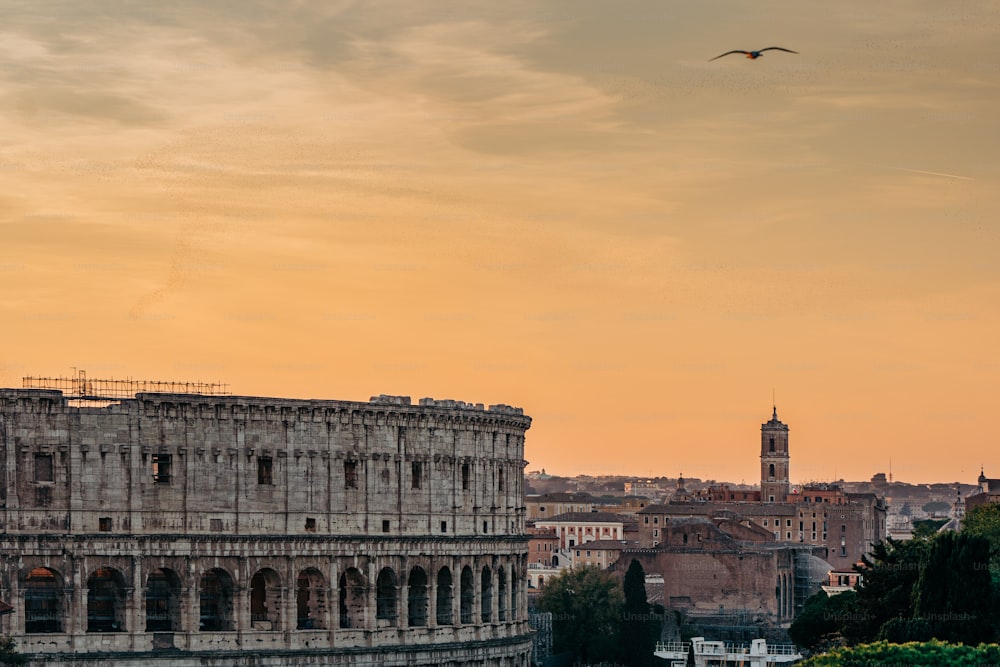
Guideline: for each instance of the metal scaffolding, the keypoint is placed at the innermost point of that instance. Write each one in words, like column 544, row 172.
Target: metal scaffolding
column 82, row 387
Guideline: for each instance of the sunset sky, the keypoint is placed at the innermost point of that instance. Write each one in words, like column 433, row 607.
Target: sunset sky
column 561, row 206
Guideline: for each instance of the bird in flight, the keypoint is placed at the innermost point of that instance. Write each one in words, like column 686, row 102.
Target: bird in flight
column 754, row 54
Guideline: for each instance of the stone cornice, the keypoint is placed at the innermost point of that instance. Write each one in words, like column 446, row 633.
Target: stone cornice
column 428, row 414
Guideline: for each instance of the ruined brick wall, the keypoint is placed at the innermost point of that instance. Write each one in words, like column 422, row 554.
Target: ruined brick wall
column 706, row 582
column 241, row 523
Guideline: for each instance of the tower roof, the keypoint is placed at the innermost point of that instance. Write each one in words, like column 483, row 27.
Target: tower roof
column 774, row 424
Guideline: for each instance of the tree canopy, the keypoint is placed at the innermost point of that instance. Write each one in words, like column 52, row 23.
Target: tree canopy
column 819, row 624
column 934, row 652
column 586, row 605
column 9, row 654
column 953, row 592
column 984, row 521
column 913, row 590
column 640, row 626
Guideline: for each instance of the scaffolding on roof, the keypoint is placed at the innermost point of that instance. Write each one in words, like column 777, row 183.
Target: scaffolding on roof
column 83, row 388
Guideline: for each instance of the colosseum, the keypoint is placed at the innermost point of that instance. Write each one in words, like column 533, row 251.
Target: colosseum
column 184, row 529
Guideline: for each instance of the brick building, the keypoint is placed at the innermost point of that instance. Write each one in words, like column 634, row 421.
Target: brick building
column 816, row 522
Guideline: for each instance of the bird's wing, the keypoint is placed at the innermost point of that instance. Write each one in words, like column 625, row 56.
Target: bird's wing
column 778, row 48
column 729, row 52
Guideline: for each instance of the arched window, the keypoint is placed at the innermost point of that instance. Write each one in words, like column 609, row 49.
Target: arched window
column 106, row 601
column 443, row 604
column 310, row 600
column 772, row 444
column 770, row 470
column 43, row 601
column 163, row 601
column 467, row 595
column 486, row 583
column 501, row 594
column 265, row 600
column 352, row 599
column 216, row 601
column 385, row 597
column 515, row 587
column 417, row 600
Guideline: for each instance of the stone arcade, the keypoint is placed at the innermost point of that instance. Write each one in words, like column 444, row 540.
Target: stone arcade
column 185, row 529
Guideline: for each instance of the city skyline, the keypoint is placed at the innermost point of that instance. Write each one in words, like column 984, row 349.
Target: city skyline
column 570, row 210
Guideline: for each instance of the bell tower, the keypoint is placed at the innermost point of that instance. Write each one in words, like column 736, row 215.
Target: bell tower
column 774, row 460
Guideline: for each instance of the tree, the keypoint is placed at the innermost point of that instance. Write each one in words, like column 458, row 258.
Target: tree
column 886, row 587
column 586, row 605
column 926, row 528
column 911, row 653
column 984, row 521
column 9, row 654
column 822, row 618
column 953, row 591
column 640, row 628
column 936, row 506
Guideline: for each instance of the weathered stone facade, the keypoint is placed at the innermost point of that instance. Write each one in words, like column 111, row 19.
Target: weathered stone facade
column 182, row 529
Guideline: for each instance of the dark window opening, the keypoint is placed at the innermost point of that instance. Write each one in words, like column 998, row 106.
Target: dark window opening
column 310, row 525
column 772, row 444
column 265, row 600
column 467, row 595
column 486, row 583
column 104, row 524
column 265, row 470
column 215, row 609
column 43, row 602
column 514, row 587
column 106, row 601
column 465, row 476
column 443, row 606
column 350, row 474
column 385, row 597
column 444, row 526
column 310, row 600
column 385, row 525
column 500, row 480
column 415, row 471
column 502, row 594
column 161, row 468
column 43, row 468
column 163, row 601
column 215, row 525
column 417, row 602
column 43, row 496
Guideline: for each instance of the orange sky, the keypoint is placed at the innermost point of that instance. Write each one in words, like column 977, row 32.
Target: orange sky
column 561, row 206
